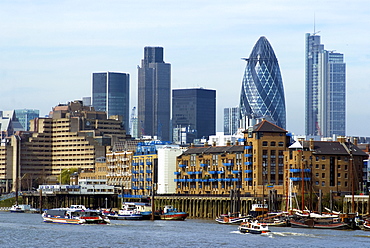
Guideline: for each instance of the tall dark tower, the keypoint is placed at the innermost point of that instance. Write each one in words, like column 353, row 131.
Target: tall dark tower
column 154, row 95
column 111, row 93
column 262, row 94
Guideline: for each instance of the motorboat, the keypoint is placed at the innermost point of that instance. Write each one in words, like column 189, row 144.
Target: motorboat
column 253, row 227
column 231, row 218
column 171, row 213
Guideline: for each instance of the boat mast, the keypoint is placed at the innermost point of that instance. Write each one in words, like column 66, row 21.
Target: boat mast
column 302, row 174
column 352, row 173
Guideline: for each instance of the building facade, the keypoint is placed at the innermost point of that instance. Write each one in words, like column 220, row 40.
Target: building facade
column 154, row 95
column 194, row 109
column 262, row 94
column 325, row 90
column 254, row 165
column 329, row 166
column 231, row 120
column 111, row 93
column 24, row 116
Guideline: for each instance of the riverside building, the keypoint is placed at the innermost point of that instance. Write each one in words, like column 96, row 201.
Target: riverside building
column 74, row 136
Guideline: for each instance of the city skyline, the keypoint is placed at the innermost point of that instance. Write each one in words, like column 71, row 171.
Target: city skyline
column 48, row 59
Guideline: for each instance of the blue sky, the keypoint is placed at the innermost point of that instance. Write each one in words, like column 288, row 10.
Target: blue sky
column 48, row 49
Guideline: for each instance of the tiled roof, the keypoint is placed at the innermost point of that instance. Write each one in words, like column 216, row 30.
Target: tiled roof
column 334, row 148
column 213, row 149
column 266, row 126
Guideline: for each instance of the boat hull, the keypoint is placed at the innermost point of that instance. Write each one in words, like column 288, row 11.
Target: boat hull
column 310, row 223
column 174, row 216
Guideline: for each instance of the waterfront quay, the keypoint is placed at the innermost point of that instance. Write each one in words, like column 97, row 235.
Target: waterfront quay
column 196, row 206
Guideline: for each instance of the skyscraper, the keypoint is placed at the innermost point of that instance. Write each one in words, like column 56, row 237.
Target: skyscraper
column 25, row 115
column 195, row 109
column 262, row 94
column 154, row 95
column 325, row 97
column 231, row 120
column 111, row 93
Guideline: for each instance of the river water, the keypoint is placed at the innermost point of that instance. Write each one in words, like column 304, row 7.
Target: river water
column 28, row 230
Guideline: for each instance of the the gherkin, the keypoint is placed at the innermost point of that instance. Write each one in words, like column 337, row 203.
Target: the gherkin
column 262, row 94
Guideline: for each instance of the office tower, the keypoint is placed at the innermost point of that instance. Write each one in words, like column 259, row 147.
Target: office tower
column 231, row 120
column 325, row 94
column 154, row 95
column 25, row 115
column 194, row 109
column 111, row 93
column 262, row 94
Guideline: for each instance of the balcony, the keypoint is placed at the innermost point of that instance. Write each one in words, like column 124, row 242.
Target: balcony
column 203, row 165
column 198, row 173
column 248, row 147
column 248, row 179
column 182, row 165
column 190, row 172
column 248, row 171
column 299, row 170
column 228, row 164
column 234, row 179
column 135, row 164
column 296, row 179
column 150, row 171
column 148, row 163
column 148, row 179
column 177, row 173
column 212, row 172
column 247, row 155
column 235, row 171
column 248, row 163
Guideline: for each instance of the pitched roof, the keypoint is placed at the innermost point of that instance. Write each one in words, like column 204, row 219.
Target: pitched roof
column 266, row 126
column 213, row 149
column 334, row 148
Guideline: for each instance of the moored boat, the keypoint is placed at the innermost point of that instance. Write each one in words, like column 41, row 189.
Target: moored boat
column 75, row 216
column 129, row 211
column 231, row 218
column 20, row 208
column 253, row 227
column 171, row 213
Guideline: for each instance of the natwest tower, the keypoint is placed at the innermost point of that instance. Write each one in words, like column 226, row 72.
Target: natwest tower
column 154, row 94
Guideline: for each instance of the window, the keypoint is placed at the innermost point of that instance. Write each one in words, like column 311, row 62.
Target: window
column 323, row 183
column 323, row 158
column 317, row 174
column 338, row 174
column 346, row 167
column 281, row 144
column 323, row 175
column 273, row 143
column 338, row 183
column 317, row 158
column 345, row 184
column 338, row 166
column 317, row 182
column 264, row 143
column 317, row 166
column 323, row 167
column 345, row 175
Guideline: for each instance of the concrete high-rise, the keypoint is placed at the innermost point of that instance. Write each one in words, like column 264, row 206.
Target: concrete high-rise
column 111, row 93
column 231, row 120
column 262, row 94
column 325, row 90
column 195, row 109
column 154, row 95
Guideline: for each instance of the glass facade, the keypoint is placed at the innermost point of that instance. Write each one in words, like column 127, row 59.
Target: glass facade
column 262, row 94
column 195, row 109
column 154, row 95
column 111, row 93
column 24, row 116
column 325, row 102
column 231, row 120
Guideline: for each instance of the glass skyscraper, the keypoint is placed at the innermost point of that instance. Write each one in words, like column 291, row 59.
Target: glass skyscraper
column 154, row 95
column 111, row 93
column 262, row 94
column 195, row 109
column 325, row 97
column 25, row 115
column 231, row 120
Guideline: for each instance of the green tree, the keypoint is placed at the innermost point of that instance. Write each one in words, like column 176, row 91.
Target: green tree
column 66, row 174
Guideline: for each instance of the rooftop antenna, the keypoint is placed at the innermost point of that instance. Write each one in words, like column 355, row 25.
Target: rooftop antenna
column 314, row 25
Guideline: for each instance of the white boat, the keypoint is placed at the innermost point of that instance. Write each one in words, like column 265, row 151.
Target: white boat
column 129, row 211
column 20, row 208
column 231, row 218
column 253, row 227
column 76, row 214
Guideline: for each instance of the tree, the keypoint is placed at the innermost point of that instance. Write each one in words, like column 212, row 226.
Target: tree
column 66, row 174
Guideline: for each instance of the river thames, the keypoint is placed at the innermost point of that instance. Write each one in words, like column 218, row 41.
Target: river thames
column 28, row 230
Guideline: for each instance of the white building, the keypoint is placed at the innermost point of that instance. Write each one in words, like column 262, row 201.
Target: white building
column 85, row 187
column 166, row 168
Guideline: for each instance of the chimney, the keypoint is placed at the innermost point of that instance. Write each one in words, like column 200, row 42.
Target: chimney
column 355, row 141
column 311, row 144
column 205, row 144
column 341, row 139
column 228, row 143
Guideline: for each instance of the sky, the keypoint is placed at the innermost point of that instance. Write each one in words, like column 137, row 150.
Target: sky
column 48, row 49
